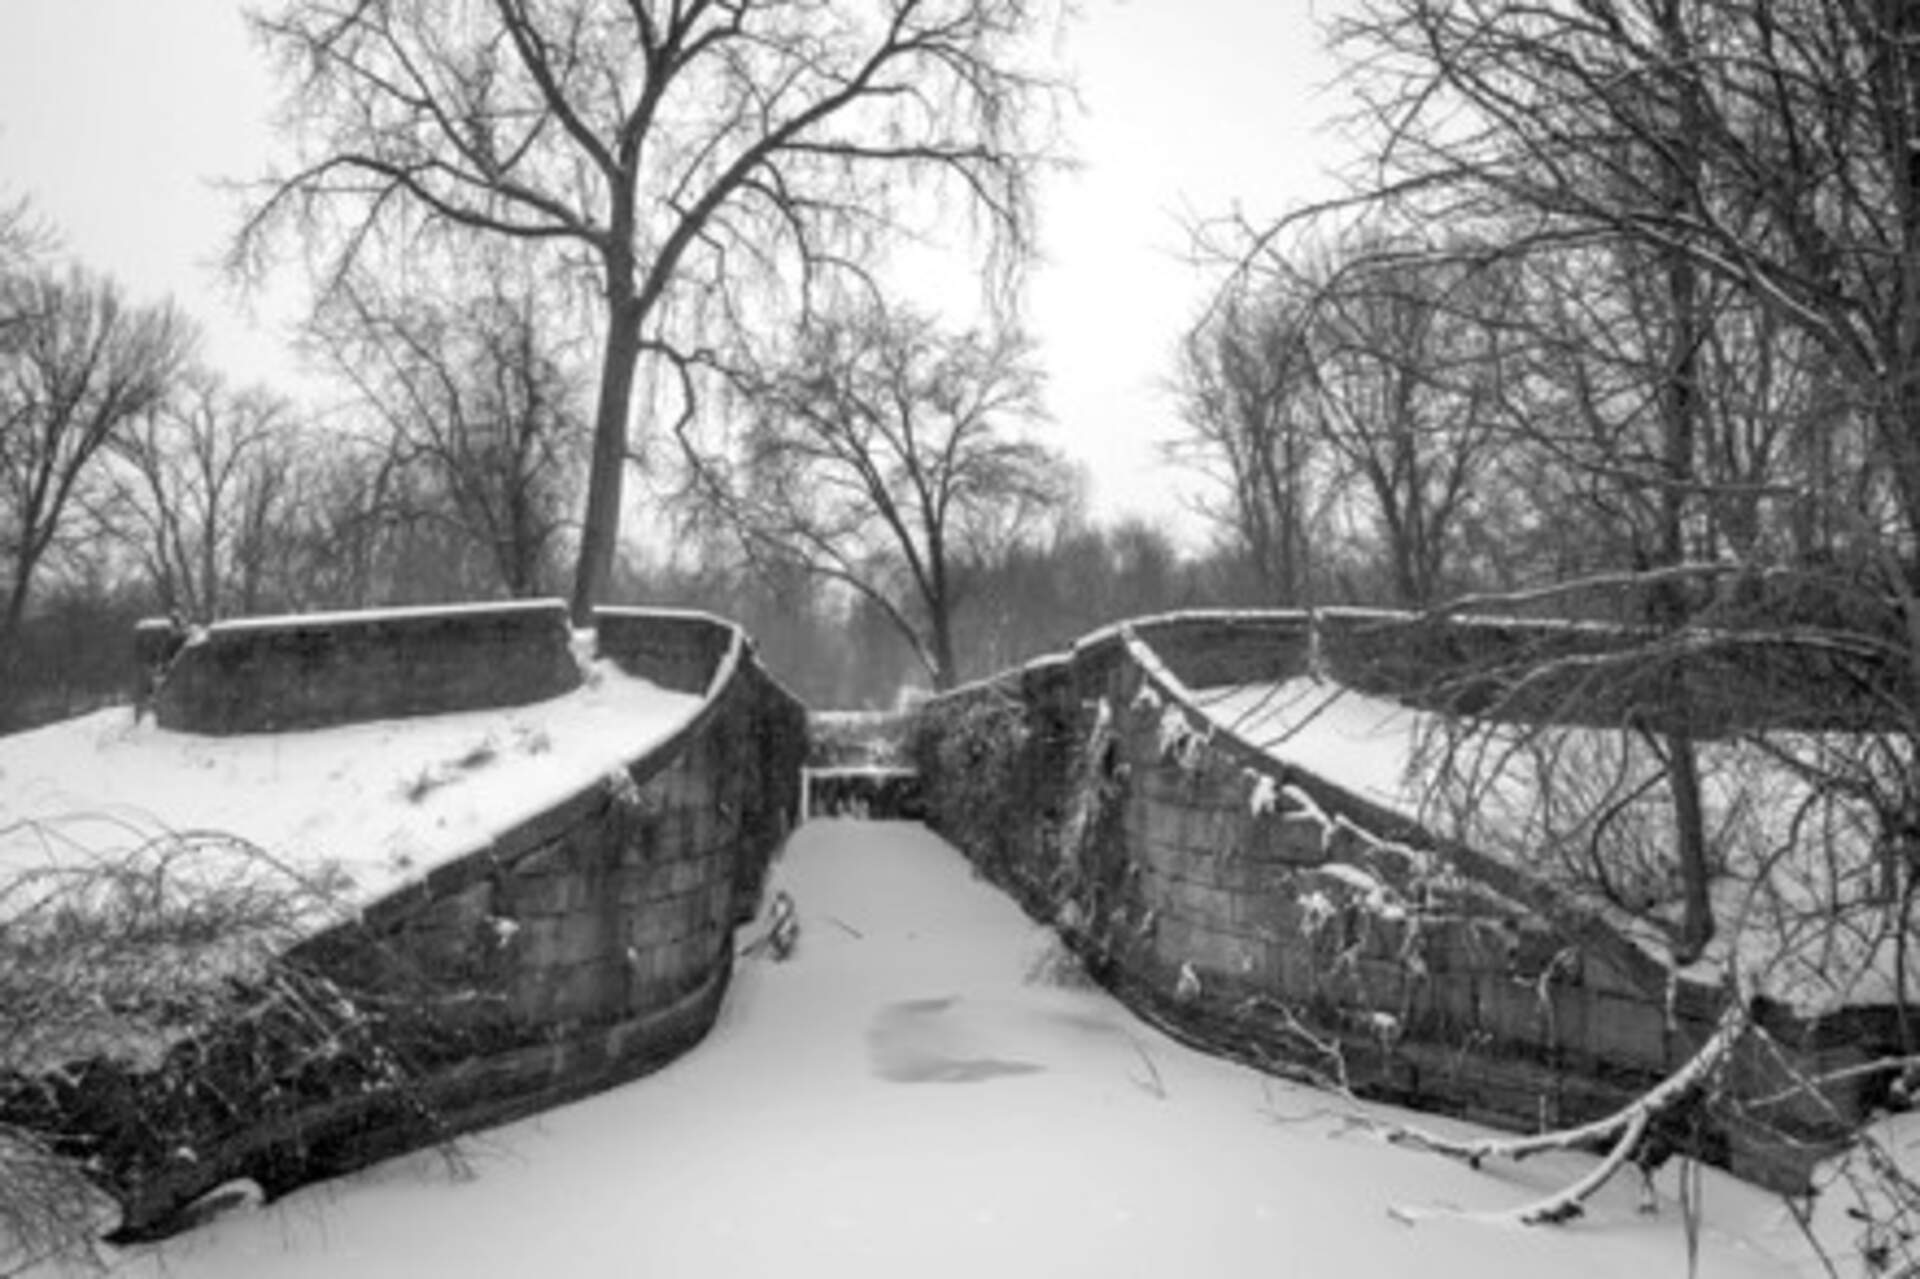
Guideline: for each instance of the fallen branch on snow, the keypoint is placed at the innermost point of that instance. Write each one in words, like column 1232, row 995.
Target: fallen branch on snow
column 1625, row 1127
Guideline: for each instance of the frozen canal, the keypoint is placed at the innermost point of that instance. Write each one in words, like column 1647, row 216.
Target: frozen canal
column 904, row 1098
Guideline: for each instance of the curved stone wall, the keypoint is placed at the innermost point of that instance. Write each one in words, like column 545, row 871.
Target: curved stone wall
column 1261, row 911
column 588, row 945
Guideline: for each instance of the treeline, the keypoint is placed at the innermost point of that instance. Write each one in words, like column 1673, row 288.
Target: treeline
column 135, row 480
column 1620, row 319
column 1624, row 295
column 839, row 649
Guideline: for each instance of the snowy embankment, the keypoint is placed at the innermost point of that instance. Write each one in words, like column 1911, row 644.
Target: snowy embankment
column 1797, row 891
column 362, row 808
column 904, row 1097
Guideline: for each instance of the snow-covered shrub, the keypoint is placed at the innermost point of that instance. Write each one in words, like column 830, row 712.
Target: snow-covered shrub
column 120, row 954
column 147, row 1010
column 48, row 1209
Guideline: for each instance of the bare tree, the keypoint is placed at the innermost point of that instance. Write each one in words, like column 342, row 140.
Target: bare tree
column 203, row 478
column 689, row 157
column 23, row 242
column 480, row 401
column 339, row 547
column 1353, row 401
column 1251, row 430
column 887, row 458
column 1405, row 352
column 1762, row 147
column 79, row 365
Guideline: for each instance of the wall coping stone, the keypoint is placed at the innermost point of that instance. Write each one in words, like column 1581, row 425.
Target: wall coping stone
column 292, row 673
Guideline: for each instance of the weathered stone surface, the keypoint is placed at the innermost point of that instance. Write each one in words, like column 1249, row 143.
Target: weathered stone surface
column 281, row 674
column 680, row 651
column 1289, row 837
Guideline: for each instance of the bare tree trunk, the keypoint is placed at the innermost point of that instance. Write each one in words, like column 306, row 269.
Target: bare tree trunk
column 1291, row 543
column 938, row 591
column 600, row 528
column 10, row 657
column 1680, row 403
column 1683, row 775
column 944, row 676
column 1671, row 609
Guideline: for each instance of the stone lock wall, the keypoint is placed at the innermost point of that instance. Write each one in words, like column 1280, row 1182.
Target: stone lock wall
column 586, row 946
column 1260, row 911
column 269, row 675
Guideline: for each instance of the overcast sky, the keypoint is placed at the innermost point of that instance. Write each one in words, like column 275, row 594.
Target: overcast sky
column 117, row 116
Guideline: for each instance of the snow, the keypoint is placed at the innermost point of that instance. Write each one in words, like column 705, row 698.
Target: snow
column 382, row 802
column 1365, row 744
column 903, row 1098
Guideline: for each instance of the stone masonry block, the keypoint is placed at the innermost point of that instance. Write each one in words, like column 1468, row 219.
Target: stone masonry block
column 1169, row 864
column 1248, row 876
column 1201, row 903
column 1454, row 998
column 650, row 926
column 1173, row 939
column 1162, row 827
column 718, row 896
column 1602, row 977
column 642, row 839
column 463, row 910
column 584, row 990
column 549, row 894
column 1293, row 970
column 560, row 941
column 1211, row 951
column 1629, row 1032
column 1511, row 1010
column 1273, row 914
column 1294, row 838
column 549, row 859
column 1572, row 1008
column 1215, row 832
column 690, row 876
column 1379, row 985
column 538, row 943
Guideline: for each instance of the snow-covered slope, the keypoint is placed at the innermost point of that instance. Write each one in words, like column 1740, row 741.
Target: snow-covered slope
column 901, row 1099
column 1366, row 744
column 381, row 802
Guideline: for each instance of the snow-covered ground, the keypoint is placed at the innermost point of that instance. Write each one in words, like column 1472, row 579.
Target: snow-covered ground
column 378, row 802
column 903, row 1097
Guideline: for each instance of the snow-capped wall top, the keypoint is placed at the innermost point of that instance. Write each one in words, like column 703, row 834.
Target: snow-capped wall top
column 279, row 674
column 375, row 617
